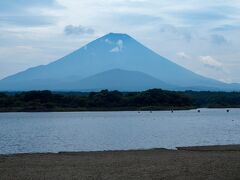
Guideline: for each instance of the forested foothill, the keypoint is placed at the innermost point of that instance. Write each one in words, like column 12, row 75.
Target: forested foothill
column 153, row 99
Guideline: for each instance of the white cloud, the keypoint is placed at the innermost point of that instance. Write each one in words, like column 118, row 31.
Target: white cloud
column 209, row 61
column 183, row 55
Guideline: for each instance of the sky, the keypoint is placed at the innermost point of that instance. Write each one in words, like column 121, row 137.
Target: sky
column 203, row 36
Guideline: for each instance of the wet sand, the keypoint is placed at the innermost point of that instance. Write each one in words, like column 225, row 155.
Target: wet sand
column 216, row 162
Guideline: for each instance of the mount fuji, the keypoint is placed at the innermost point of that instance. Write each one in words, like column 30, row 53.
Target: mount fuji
column 114, row 61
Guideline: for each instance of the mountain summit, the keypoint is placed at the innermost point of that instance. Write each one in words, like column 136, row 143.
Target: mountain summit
column 112, row 51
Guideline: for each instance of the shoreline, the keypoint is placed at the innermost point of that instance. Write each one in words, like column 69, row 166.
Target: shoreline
column 200, row 162
column 121, row 110
column 101, row 109
column 229, row 147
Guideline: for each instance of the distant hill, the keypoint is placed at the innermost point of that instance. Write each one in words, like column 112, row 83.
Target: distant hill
column 118, row 79
column 90, row 67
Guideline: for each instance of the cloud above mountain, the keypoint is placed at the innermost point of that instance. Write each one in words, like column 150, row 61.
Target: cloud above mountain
column 78, row 30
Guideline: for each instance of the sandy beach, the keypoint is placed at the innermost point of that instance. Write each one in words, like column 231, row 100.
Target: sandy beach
column 216, row 162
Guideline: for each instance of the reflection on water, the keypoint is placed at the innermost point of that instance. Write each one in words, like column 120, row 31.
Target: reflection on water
column 91, row 131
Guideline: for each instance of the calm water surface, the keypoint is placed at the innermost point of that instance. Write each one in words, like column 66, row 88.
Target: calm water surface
column 91, row 131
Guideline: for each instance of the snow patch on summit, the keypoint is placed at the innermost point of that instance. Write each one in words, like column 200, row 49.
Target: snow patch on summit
column 108, row 41
column 119, row 47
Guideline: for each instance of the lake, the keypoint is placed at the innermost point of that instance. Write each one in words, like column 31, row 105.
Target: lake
column 93, row 131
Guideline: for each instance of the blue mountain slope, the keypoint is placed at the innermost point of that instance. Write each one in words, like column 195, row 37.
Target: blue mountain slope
column 112, row 51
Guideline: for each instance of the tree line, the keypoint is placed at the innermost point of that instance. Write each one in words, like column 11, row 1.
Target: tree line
column 153, row 99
